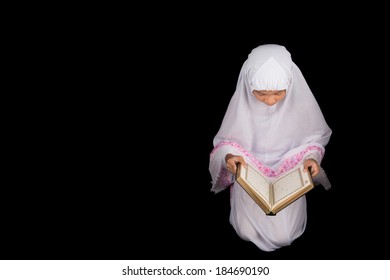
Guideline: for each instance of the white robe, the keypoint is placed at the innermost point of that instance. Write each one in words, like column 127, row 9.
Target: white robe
column 273, row 138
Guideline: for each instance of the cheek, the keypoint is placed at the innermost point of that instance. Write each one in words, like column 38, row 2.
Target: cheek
column 261, row 99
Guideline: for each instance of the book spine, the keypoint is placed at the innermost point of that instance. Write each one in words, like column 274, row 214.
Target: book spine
column 271, row 195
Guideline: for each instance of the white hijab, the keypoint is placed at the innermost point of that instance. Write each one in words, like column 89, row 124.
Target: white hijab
column 270, row 133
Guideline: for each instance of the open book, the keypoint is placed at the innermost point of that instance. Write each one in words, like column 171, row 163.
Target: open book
column 273, row 196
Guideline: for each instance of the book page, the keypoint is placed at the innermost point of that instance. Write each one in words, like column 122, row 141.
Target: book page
column 258, row 181
column 290, row 183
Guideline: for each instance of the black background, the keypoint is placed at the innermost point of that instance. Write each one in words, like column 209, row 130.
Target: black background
column 111, row 161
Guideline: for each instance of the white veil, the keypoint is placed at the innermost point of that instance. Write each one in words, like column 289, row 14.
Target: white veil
column 269, row 131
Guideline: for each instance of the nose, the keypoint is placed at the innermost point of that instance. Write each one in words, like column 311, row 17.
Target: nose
column 270, row 100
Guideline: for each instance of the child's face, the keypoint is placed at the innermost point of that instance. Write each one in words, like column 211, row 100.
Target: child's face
column 269, row 97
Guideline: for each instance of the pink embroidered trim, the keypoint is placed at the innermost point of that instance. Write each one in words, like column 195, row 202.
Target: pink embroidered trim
column 286, row 165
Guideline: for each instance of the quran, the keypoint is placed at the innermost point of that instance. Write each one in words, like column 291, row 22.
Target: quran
column 272, row 195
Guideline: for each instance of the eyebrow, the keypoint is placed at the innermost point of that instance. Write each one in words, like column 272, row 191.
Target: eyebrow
column 261, row 92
